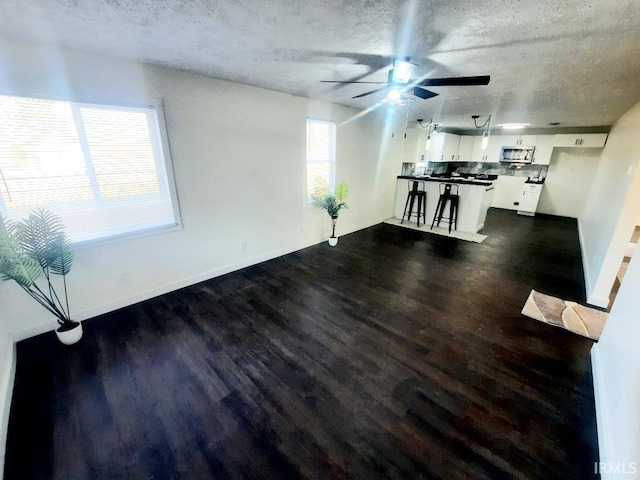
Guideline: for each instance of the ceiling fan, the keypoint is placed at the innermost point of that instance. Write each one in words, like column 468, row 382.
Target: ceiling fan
column 400, row 85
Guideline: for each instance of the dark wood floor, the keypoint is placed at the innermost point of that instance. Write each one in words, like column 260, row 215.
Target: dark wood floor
column 396, row 354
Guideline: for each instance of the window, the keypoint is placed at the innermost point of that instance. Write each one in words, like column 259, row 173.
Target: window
column 321, row 152
column 102, row 169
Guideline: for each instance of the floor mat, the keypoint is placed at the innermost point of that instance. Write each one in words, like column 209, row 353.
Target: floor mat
column 469, row 237
column 571, row 316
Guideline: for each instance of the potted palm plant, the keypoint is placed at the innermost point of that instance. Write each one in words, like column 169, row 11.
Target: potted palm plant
column 331, row 201
column 33, row 253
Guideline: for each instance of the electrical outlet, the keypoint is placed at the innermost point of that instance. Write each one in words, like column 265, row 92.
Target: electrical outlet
column 243, row 246
column 301, row 230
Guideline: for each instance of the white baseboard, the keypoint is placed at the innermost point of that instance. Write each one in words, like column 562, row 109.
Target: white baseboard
column 7, row 378
column 597, row 301
column 175, row 285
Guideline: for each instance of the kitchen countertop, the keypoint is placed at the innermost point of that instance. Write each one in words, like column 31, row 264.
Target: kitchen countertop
column 458, row 180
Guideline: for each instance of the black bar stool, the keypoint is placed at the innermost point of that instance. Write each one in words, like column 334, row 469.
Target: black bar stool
column 416, row 191
column 448, row 193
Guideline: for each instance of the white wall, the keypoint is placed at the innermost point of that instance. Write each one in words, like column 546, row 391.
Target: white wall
column 611, row 211
column 617, row 380
column 238, row 156
column 570, row 176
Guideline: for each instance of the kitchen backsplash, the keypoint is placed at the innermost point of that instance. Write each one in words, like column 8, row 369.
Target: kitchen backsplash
column 488, row 169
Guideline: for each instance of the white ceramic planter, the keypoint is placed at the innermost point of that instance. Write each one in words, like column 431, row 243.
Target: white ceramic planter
column 69, row 337
column 333, row 241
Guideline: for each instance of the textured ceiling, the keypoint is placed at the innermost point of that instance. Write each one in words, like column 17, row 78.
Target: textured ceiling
column 575, row 62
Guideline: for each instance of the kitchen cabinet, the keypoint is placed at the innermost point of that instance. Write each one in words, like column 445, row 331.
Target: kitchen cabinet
column 443, row 147
column 589, row 140
column 491, row 153
column 465, row 148
column 519, row 140
column 544, row 148
column 409, row 146
column 529, row 199
column 475, row 200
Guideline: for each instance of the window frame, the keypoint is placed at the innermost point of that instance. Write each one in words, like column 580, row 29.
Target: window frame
column 158, row 137
column 332, row 149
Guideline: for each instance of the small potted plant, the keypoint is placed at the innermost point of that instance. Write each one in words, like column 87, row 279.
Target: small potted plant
column 32, row 253
column 331, row 201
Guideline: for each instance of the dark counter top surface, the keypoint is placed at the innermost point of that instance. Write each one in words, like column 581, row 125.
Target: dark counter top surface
column 459, row 180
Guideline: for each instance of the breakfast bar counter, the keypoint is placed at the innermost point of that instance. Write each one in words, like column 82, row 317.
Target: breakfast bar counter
column 475, row 200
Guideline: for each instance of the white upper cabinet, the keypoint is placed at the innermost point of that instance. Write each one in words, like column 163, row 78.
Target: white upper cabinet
column 592, row 140
column 544, row 148
column 412, row 146
column 443, row 147
column 491, row 153
column 448, row 147
column 436, row 144
column 407, row 145
column 518, row 140
column 465, row 148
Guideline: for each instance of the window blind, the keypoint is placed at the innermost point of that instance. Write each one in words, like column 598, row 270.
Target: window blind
column 321, row 156
column 102, row 169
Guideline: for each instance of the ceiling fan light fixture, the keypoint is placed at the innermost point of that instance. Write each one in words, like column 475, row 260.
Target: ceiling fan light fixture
column 402, row 71
column 514, row 126
column 400, row 97
column 394, row 94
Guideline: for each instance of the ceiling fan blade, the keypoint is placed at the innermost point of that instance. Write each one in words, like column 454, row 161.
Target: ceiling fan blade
column 423, row 93
column 369, row 93
column 455, row 81
column 340, row 81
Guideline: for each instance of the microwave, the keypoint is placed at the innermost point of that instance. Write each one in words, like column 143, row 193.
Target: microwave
column 516, row 154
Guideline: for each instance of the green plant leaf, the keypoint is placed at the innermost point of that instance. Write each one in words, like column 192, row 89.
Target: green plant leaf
column 63, row 258
column 15, row 264
column 40, row 237
column 341, row 191
column 330, row 201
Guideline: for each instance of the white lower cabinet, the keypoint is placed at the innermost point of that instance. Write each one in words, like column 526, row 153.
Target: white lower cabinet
column 529, row 199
